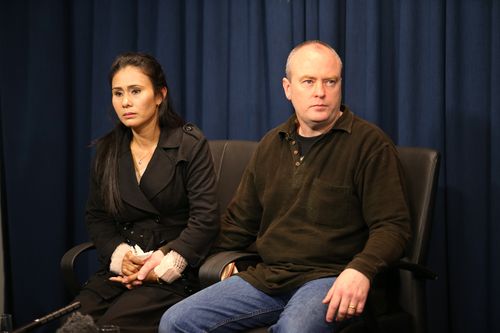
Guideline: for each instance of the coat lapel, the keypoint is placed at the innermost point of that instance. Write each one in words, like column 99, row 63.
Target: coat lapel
column 129, row 189
column 162, row 167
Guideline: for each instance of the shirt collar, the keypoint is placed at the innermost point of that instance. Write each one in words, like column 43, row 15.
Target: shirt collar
column 344, row 123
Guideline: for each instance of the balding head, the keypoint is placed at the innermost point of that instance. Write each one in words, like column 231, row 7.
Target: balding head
column 308, row 44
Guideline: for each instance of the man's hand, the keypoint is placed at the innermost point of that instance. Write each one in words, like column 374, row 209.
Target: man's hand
column 347, row 297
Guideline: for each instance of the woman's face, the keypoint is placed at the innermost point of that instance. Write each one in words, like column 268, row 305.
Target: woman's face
column 134, row 100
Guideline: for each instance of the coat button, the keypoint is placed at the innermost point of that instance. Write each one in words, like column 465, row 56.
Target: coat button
column 157, row 219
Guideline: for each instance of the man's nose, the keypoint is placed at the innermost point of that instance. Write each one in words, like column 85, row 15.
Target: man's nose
column 319, row 89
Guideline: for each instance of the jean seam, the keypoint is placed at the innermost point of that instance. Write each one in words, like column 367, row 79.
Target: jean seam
column 245, row 316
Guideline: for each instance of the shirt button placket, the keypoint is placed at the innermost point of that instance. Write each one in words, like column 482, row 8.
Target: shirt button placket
column 295, row 152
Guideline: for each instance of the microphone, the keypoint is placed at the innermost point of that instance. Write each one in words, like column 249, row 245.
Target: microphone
column 45, row 319
column 78, row 323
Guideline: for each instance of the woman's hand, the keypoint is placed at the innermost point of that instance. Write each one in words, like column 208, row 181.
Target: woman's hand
column 136, row 270
column 130, row 268
column 143, row 273
column 147, row 268
column 131, row 264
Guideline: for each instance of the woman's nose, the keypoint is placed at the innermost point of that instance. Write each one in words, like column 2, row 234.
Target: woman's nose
column 125, row 100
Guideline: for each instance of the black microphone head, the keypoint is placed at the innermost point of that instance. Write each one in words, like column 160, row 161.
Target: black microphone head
column 78, row 323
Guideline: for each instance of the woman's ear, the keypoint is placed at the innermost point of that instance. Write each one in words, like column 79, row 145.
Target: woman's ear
column 162, row 96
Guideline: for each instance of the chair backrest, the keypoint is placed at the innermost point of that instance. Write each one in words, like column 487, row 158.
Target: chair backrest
column 230, row 160
column 421, row 169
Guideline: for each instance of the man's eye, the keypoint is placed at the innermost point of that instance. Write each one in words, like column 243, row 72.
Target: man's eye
column 307, row 82
column 331, row 83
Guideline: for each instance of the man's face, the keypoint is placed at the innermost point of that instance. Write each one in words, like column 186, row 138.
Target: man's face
column 314, row 87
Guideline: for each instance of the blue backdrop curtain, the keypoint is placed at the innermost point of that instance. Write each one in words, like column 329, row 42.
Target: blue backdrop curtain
column 427, row 72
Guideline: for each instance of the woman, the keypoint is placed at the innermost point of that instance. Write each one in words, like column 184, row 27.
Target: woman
column 152, row 211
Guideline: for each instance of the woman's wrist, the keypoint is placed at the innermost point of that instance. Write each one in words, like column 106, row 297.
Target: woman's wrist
column 159, row 280
column 170, row 268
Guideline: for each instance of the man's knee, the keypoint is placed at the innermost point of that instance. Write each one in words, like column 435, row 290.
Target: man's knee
column 173, row 319
column 305, row 311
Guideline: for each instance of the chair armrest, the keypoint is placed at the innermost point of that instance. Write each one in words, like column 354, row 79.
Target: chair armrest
column 67, row 266
column 212, row 267
column 419, row 271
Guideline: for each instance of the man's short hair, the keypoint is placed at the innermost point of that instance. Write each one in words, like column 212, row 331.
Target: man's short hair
column 301, row 45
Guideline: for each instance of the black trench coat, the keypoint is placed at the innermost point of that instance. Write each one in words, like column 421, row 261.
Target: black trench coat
column 173, row 208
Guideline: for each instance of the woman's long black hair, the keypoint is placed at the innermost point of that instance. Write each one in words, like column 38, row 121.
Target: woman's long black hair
column 108, row 147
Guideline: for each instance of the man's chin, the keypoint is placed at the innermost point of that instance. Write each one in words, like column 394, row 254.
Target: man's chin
column 321, row 123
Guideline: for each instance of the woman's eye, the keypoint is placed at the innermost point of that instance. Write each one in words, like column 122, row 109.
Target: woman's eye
column 136, row 91
column 117, row 93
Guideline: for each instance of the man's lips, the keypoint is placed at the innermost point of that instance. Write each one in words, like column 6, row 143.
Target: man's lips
column 319, row 106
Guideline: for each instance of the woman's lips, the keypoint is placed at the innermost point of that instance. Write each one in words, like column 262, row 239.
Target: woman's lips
column 128, row 115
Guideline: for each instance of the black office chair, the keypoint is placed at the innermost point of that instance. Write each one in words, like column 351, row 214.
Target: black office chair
column 421, row 168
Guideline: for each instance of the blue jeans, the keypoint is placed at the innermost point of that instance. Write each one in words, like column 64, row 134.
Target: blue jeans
column 234, row 305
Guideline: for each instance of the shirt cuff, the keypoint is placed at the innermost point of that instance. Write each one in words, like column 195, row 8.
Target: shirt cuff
column 117, row 258
column 171, row 267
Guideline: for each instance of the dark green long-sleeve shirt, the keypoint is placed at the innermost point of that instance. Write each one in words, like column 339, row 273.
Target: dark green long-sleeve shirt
column 343, row 205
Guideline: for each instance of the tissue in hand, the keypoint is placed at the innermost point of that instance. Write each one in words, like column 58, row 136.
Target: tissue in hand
column 138, row 252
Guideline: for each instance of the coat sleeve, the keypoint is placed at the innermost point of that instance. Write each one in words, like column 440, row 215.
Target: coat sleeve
column 100, row 224
column 195, row 240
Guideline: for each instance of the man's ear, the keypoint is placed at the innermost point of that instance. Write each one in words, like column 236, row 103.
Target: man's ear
column 286, row 88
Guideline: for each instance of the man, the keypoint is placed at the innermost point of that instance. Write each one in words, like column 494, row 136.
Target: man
column 324, row 202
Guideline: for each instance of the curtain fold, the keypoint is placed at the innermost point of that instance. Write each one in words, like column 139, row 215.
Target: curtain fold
column 427, row 72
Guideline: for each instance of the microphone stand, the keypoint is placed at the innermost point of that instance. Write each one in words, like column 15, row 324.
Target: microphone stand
column 45, row 319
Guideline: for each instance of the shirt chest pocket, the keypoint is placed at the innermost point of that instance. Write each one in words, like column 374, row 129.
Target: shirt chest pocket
column 330, row 205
